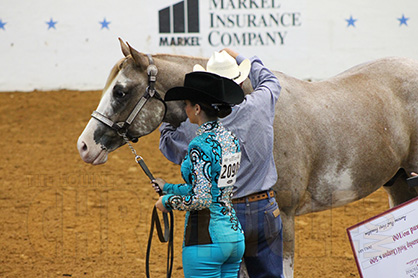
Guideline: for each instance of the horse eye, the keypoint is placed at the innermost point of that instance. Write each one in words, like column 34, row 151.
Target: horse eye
column 118, row 92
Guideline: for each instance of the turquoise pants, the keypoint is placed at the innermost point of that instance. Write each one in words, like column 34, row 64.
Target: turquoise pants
column 217, row 260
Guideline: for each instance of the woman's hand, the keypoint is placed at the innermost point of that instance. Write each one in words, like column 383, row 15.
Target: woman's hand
column 158, row 184
column 159, row 205
column 414, row 174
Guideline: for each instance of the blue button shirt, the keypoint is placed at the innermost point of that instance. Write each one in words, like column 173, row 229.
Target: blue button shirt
column 251, row 121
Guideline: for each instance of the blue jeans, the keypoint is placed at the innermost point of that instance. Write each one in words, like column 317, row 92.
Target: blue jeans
column 262, row 226
column 217, row 260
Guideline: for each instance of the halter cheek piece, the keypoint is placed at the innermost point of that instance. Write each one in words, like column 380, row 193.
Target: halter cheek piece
column 122, row 127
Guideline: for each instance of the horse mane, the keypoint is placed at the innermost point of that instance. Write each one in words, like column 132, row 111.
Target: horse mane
column 115, row 70
column 175, row 57
column 167, row 57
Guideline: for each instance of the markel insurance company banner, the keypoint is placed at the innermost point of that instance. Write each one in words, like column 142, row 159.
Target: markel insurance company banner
column 72, row 44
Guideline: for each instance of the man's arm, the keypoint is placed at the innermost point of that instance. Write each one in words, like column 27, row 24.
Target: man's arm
column 260, row 76
column 175, row 141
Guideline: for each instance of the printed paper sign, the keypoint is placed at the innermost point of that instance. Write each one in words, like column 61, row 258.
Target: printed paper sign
column 229, row 169
column 387, row 245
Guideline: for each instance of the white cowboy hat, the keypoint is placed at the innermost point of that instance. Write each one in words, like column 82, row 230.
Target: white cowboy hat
column 223, row 64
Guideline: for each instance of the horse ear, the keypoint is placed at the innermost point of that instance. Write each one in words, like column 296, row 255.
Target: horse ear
column 124, row 47
column 139, row 58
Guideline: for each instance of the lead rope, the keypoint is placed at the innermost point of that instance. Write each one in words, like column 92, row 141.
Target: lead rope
column 167, row 236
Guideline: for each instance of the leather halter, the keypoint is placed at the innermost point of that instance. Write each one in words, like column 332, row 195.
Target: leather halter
column 122, row 127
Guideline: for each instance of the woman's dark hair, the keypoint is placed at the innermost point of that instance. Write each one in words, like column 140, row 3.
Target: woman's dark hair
column 220, row 110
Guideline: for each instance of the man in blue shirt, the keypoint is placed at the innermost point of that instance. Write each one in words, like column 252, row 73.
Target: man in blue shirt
column 253, row 197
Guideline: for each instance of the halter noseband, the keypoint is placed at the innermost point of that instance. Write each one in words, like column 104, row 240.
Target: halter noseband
column 122, row 127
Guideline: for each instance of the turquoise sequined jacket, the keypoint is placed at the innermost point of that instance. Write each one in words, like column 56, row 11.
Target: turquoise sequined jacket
column 210, row 217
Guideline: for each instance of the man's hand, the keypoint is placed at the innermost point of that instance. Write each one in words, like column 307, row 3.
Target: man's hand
column 231, row 52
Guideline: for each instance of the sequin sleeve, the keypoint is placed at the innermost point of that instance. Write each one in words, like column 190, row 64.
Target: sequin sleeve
column 176, row 189
column 199, row 196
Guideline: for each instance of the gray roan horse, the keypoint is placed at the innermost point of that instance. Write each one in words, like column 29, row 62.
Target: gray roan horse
column 336, row 140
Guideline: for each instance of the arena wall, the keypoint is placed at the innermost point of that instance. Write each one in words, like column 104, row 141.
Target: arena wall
column 72, row 44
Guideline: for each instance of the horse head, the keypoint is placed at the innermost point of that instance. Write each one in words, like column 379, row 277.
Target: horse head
column 130, row 107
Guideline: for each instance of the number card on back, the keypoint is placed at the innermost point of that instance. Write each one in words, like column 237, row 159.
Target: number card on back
column 229, row 169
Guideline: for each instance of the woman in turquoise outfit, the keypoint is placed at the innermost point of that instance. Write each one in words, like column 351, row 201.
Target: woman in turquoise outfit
column 213, row 242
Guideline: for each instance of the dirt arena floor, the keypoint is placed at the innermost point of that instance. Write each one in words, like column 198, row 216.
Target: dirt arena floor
column 61, row 217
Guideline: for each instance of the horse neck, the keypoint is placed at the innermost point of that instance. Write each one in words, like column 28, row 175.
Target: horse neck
column 171, row 72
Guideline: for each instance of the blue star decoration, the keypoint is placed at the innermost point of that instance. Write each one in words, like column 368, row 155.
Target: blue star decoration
column 351, row 21
column 105, row 24
column 403, row 20
column 51, row 23
column 2, row 24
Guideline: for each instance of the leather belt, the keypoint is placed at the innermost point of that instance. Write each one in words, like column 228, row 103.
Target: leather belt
column 254, row 197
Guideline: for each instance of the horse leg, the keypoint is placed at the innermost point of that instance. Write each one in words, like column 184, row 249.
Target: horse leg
column 288, row 220
column 243, row 271
column 398, row 190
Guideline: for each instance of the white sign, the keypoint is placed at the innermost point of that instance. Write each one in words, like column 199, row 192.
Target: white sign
column 229, row 169
column 387, row 245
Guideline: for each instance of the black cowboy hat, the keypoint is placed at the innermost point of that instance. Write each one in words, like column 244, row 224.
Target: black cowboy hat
column 207, row 87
